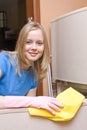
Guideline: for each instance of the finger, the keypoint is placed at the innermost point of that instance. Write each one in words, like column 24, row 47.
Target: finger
column 54, row 107
column 50, row 110
column 57, row 102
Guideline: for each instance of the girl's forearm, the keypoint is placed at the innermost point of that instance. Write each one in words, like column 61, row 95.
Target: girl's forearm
column 17, row 101
column 49, row 103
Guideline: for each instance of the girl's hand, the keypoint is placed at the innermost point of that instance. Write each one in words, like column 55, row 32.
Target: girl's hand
column 49, row 103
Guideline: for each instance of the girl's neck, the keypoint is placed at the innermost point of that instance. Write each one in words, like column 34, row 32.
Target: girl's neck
column 25, row 66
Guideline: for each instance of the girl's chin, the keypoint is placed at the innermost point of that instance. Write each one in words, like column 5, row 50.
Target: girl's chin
column 34, row 58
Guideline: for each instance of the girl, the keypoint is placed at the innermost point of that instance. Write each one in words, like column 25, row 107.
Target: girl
column 21, row 70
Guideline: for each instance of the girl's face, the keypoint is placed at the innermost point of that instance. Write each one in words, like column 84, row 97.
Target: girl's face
column 34, row 46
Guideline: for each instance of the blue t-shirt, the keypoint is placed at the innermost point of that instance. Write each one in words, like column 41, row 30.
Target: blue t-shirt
column 13, row 84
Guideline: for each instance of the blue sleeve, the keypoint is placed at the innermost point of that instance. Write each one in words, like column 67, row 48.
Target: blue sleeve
column 3, row 61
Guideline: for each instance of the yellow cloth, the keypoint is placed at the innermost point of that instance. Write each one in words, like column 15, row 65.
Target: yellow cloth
column 72, row 101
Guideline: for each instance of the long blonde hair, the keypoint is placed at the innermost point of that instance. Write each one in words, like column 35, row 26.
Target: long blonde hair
column 41, row 64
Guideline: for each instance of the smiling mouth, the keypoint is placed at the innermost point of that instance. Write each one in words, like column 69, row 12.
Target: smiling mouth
column 33, row 54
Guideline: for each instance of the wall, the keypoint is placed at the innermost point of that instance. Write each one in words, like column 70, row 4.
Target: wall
column 52, row 9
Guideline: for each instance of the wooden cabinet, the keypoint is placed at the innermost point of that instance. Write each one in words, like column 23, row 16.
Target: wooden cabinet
column 33, row 9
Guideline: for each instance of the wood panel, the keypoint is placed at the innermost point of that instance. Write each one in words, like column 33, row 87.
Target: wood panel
column 33, row 10
column 29, row 9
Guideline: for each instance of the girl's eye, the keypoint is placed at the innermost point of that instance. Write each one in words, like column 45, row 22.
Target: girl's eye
column 40, row 43
column 28, row 42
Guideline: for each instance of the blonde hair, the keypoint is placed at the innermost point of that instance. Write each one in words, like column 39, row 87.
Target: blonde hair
column 41, row 64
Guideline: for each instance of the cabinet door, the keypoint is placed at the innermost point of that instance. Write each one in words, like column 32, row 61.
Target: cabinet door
column 33, row 9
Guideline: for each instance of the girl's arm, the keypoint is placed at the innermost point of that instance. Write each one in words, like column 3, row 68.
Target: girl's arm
column 44, row 102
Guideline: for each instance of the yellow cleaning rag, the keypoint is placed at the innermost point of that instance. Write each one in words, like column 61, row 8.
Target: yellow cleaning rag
column 72, row 101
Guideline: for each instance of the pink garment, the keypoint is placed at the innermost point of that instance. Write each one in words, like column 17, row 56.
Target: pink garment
column 44, row 102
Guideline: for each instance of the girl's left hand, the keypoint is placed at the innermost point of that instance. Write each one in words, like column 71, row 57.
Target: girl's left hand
column 49, row 103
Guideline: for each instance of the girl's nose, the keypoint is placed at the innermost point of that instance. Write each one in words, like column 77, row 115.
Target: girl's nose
column 34, row 46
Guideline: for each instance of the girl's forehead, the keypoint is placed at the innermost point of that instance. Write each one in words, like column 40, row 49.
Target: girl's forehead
column 35, row 34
